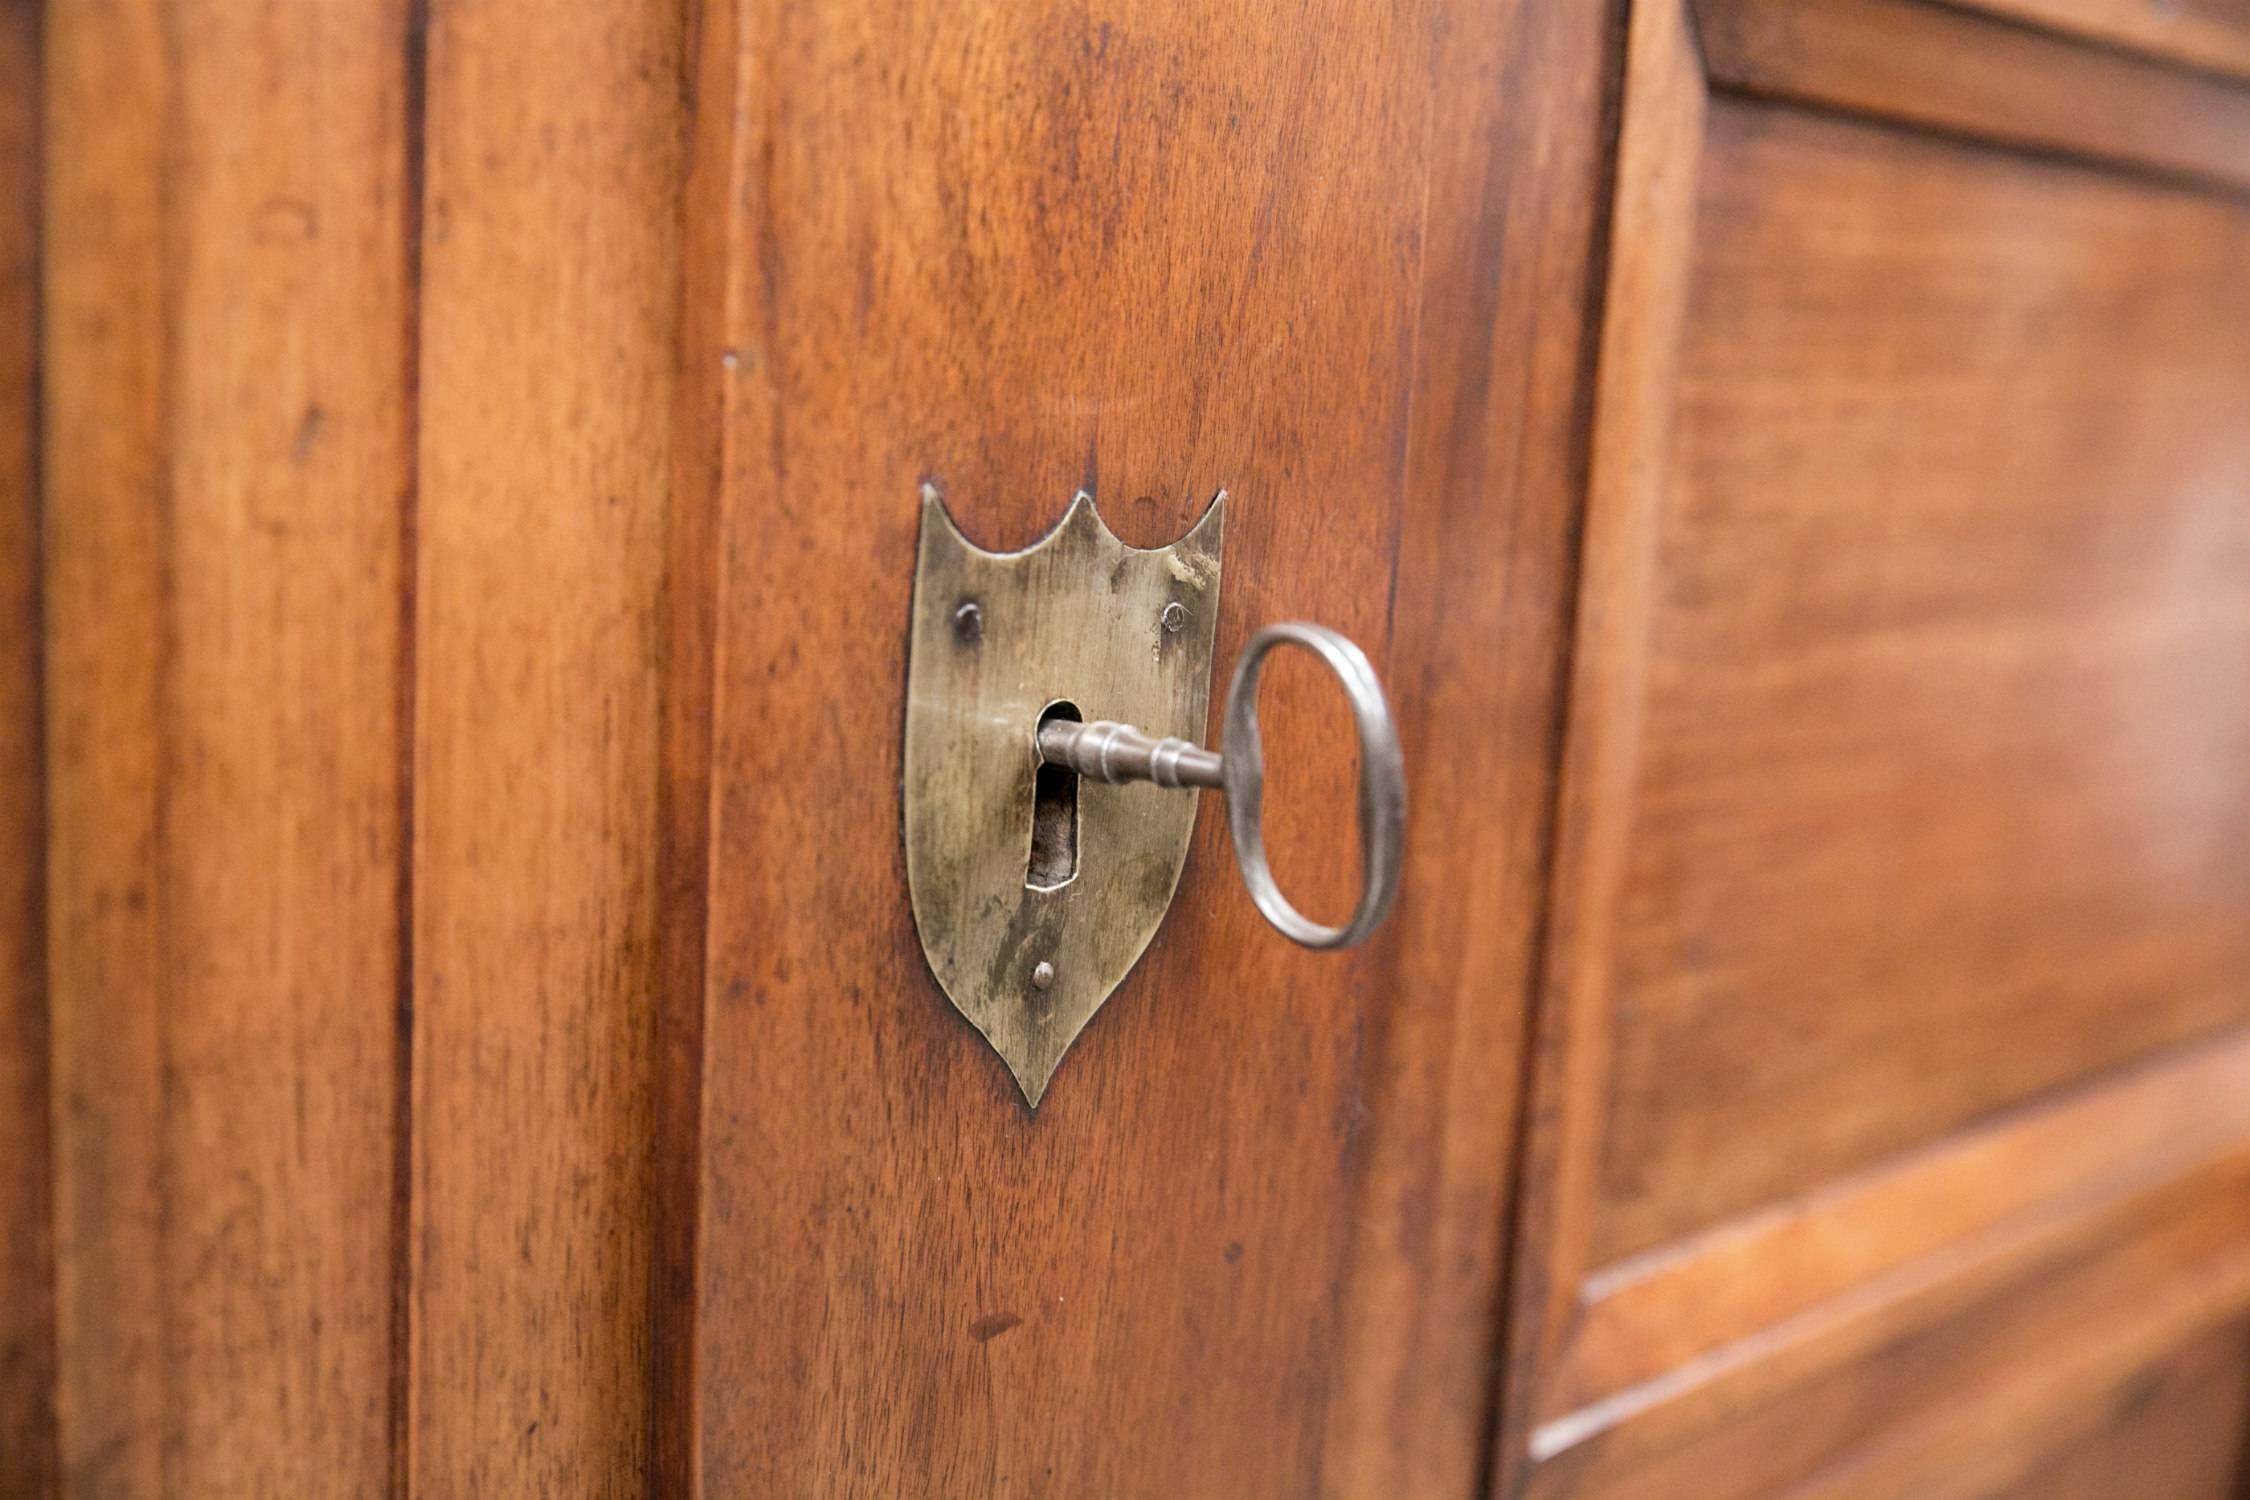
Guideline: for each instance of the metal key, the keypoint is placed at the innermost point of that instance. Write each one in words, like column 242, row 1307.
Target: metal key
column 1116, row 753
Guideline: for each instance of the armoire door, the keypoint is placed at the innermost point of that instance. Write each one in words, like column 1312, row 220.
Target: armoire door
column 1892, row 1122
column 464, row 1025
column 475, row 1030
column 1336, row 263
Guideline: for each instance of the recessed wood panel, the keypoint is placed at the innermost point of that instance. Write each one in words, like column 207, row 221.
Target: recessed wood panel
column 1887, row 1133
column 1940, row 801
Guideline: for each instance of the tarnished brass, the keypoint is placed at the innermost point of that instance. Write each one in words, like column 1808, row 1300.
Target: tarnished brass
column 1029, row 944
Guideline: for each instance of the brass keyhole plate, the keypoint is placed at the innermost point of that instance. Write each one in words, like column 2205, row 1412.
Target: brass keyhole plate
column 997, row 640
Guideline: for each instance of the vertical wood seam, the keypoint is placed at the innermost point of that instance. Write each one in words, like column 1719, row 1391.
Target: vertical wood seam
column 711, row 213
column 682, row 924
column 413, row 109
column 44, row 1467
column 173, row 248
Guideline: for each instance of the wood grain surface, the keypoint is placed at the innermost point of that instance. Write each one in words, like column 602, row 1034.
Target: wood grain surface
column 2174, row 1427
column 354, row 697
column 225, row 324
column 2209, row 34
column 1980, row 1379
column 1941, row 802
column 1887, row 1137
column 549, row 304
column 1659, row 153
column 1981, row 1194
column 714, row 219
column 1953, row 71
column 462, row 1030
column 27, row 1353
column 1335, row 263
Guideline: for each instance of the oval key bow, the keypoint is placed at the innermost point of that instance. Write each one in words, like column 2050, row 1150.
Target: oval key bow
column 1108, row 752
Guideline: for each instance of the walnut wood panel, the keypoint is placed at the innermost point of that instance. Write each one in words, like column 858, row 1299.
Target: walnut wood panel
column 2030, row 651
column 1959, row 72
column 27, row 1368
column 549, row 307
column 2175, row 1428
column 2212, row 34
column 1887, row 1129
column 225, row 332
column 1336, row 263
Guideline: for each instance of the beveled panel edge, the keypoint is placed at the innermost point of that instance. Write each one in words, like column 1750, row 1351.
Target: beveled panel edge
column 1654, row 205
column 1970, row 74
column 1965, row 1367
column 1972, row 1369
column 1778, row 1275
column 2135, row 26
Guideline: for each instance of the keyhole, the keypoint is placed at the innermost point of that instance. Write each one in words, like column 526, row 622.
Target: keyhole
column 1054, row 817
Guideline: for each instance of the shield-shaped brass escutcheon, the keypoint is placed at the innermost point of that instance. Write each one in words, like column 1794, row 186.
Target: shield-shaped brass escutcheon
column 1029, row 943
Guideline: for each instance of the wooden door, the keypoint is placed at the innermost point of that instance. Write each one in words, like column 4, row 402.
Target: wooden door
column 464, row 1030
column 464, row 1006
column 1892, row 1120
column 1331, row 260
